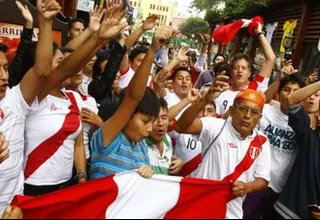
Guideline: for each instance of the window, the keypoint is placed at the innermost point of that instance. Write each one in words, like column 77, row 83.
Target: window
column 157, row 7
column 134, row 4
column 160, row 8
column 139, row 4
column 150, row 6
column 154, row 7
column 165, row 20
column 167, row 9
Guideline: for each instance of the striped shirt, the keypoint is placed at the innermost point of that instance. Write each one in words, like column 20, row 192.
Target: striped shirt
column 120, row 156
column 160, row 163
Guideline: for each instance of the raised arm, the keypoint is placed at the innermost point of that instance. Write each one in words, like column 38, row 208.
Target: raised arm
column 163, row 76
column 32, row 81
column 193, row 96
column 199, row 65
column 15, row 68
column 188, row 122
column 95, row 19
column 110, row 27
column 273, row 89
column 270, row 57
column 136, row 89
column 302, row 94
column 150, row 23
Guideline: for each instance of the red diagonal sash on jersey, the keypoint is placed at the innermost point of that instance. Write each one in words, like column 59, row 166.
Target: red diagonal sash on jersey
column 190, row 166
column 50, row 146
column 251, row 155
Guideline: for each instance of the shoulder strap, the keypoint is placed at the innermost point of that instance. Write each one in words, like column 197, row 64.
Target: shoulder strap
column 214, row 140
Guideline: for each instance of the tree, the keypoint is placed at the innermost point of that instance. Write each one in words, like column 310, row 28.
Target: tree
column 194, row 26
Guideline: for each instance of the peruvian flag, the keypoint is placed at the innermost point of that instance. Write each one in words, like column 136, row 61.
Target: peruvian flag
column 224, row 34
column 128, row 195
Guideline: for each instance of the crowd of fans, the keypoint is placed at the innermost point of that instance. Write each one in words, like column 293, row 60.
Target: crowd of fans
column 106, row 103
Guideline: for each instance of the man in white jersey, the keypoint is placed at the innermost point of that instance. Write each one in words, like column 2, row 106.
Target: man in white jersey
column 241, row 72
column 234, row 151
column 15, row 103
column 274, row 124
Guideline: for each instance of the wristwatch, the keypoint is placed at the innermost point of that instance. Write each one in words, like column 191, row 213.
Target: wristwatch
column 262, row 32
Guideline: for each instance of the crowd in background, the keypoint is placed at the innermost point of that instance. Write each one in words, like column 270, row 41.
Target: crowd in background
column 107, row 103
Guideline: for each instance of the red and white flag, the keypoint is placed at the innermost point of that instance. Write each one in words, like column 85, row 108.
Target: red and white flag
column 224, row 34
column 128, row 195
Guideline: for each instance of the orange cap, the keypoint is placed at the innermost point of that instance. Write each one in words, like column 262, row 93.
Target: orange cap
column 252, row 96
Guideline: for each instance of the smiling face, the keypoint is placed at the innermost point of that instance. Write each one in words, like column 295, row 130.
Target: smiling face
column 160, row 126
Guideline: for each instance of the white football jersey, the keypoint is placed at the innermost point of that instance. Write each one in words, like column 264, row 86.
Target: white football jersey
column 126, row 78
column 13, row 111
column 231, row 158
column 226, row 99
column 50, row 137
column 90, row 103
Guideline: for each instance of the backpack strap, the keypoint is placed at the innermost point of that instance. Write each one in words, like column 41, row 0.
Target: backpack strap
column 214, row 140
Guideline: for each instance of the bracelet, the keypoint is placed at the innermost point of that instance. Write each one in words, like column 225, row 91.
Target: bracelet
column 81, row 175
column 258, row 35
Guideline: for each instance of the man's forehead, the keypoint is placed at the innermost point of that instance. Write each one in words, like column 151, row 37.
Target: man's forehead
column 249, row 103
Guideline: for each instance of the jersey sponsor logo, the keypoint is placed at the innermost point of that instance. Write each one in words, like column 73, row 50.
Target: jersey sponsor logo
column 254, row 152
column 231, row 145
column 1, row 114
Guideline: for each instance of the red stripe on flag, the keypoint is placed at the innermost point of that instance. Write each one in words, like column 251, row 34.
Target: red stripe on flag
column 191, row 165
column 83, row 201
column 201, row 199
column 50, row 146
column 251, row 155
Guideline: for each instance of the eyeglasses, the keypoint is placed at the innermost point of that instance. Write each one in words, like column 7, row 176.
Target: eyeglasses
column 245, row 109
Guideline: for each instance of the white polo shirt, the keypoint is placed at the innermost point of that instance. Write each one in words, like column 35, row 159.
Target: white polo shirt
column 226, row 99
column 274, row 124
column 13, row 111
column 127, row 77
column 230, row 151
column 50, row 137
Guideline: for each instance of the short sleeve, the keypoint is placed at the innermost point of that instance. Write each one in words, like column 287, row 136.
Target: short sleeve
column 97, row 147
column 19, row 103
column 264, row 163
column 211, row 127
column 299, row 121
column 93, row 105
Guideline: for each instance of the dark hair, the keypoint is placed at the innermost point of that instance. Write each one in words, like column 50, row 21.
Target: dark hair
column 96, row 69
column 145, row 44
column 75, row 20
column 294, row 79
column 163, row 103
column 220, row 67
column 66, row 50
column 136, row 51
column 242, row 57
column 148, row 105
column 219, row 55
column 3, row 48
column 176, row 71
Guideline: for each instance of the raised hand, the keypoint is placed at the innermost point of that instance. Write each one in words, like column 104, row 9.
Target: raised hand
column 112, row 23
column 150, row 22
column 206, row 38
column 48, row 9
column 217, row 87
column 160, row 81
column 287, row 70
column 258, row 29
column 162, row 35
column 95, row 18
column 193, row 95
column 182, row 54
column 25, row 13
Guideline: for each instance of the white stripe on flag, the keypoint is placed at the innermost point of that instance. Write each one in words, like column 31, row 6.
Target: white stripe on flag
column 131, row 202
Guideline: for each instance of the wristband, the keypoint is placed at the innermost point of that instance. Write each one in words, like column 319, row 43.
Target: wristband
column 81, row 175
column 258, row 35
